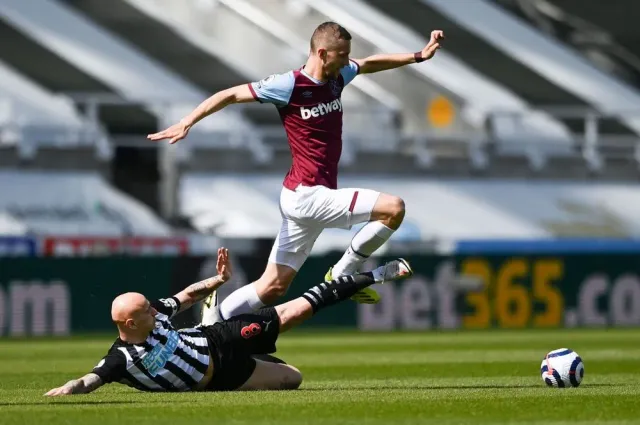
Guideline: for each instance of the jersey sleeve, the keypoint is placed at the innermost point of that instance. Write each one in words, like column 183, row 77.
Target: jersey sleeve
column 167, row 306
column 350, row 71
column 275, row 89
column 112, row 366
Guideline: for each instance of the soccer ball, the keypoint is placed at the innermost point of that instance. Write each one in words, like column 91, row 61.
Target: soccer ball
column 562, row 368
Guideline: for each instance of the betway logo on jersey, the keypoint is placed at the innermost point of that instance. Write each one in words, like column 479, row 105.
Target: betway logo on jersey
column 321, row 109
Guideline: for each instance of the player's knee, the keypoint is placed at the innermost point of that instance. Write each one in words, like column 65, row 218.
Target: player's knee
column 274, row 288
column 389, row 210
column 291, row 379
column 396, row 210
column 274, row 283
column 277, row 289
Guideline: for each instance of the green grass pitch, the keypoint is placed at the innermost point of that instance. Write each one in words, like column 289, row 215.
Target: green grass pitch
column 356, row 378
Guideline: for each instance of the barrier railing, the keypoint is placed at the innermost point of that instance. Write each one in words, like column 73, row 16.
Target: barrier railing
column 590, row 135
column 588, row 139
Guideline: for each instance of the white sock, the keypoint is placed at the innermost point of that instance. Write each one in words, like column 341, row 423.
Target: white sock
column 371, row 237
column 378, row 274
column 240, row 301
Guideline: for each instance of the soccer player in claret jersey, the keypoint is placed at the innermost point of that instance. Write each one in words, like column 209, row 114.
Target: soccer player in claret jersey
column 150, row 355
column 308, row 100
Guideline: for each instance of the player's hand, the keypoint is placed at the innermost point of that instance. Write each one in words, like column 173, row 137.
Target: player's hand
column 64, row 390
column 175, row 133
column 434, row 44
column 223, row 265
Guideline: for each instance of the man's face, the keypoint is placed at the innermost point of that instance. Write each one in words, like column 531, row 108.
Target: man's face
column 144, row 320
column 336, row 57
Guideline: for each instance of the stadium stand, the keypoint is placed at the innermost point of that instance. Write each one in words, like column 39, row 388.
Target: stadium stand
column 94, row 61
column 470, row 94
column 33, row 119
column 441, row 211
column 82, row 82
column 501, row 47
column 115, row 83
column 216, row 39
column 73, row 203
column 558, row 65
column 9, row 226
column 605, row 36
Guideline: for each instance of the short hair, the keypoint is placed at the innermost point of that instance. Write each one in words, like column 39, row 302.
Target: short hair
column 329, row 30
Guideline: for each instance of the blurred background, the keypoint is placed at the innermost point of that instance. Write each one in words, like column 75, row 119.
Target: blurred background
column 515, row 149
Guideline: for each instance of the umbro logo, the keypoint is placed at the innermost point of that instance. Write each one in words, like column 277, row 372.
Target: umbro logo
column 307, row 94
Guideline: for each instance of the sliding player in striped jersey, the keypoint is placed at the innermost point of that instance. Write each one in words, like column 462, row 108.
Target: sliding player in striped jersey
column 150, row 355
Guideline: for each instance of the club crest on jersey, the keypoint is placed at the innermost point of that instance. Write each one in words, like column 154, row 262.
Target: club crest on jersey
column 321, row 109
column 335, row 87
column 266, row 81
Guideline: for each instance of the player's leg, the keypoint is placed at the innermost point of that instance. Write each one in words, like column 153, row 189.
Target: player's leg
column 273, row 283
column 256, row 333
column 290, row 250
column 284, row 262
column 326, row 294
column 272, row 376
column 383, row 218
column 342, row 208
column 240, row 371
column 246, row 335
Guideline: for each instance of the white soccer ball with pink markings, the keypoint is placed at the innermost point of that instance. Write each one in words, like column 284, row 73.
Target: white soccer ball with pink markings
column 562, row 368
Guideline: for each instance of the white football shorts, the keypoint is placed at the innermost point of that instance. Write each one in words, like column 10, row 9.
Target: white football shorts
column 306, row 211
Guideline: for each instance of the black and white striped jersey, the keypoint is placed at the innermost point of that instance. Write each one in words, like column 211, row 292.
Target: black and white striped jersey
column 168, row 360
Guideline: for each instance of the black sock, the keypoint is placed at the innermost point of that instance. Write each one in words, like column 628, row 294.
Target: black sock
column 329, row 293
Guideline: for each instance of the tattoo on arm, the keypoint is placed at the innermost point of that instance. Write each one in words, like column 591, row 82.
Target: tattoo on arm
column 200, row 290
column 86, row 384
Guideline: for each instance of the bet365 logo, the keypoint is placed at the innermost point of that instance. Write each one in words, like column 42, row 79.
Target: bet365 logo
column 35, row 308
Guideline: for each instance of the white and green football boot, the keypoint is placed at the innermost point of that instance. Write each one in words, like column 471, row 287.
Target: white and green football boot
column 211, row 310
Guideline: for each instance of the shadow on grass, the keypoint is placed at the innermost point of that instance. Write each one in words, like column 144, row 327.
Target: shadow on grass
column 146, row 401
column 51, row 402
column 444, row 387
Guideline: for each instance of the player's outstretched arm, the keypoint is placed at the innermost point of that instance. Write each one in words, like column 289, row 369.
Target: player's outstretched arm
column 84, row 385
column 177, row 132
column 383, row 62
column 201, row 290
